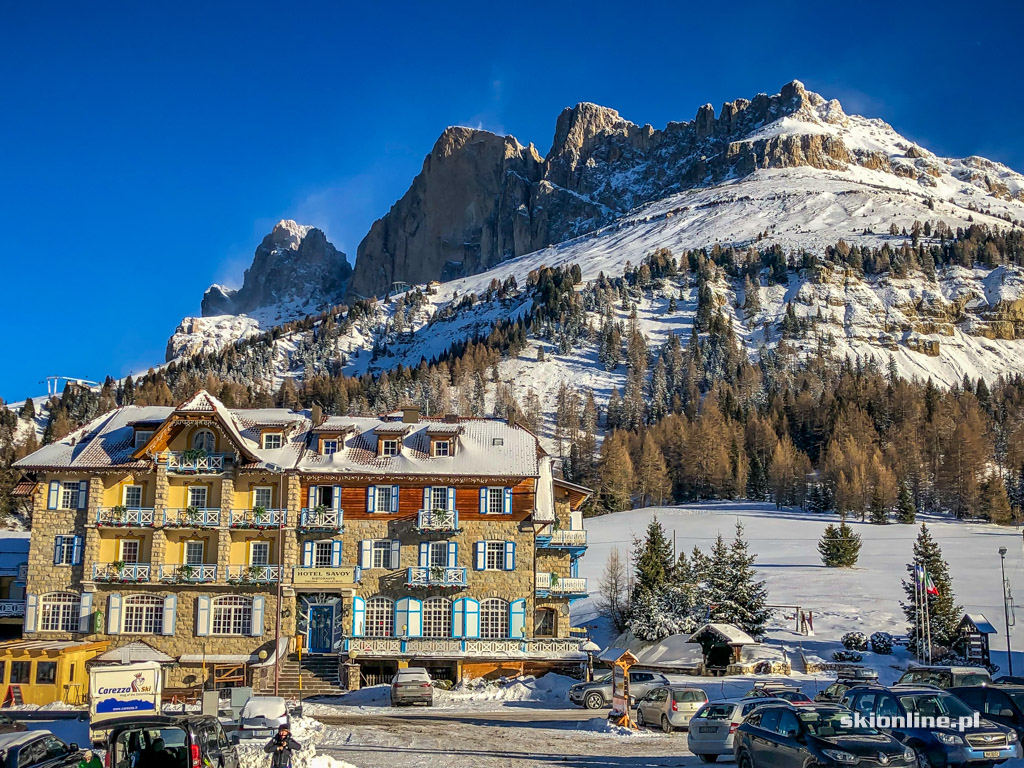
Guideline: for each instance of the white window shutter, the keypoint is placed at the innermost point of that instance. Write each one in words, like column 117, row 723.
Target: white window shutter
column 258, row 608
column 366, row 553
column 114, row 614
column 415, row 618
column 85, row 613
column 358, row 616
column 424, row 554
column 170, row 611
column 371, row 498
column 451, row 498
column 53, row 497
column 312, row 497
column 480, row 555
column 426, row 498
column 336, row 496
column 396, row 552
column 76, row 550
column 453, row 554
column 483, row 501
column 402, row 617
column 83, row 494
column 31, row 602
column 510, row 555
column 459, row 617
column 394, row 498
column 517, row 619
column 336, row 553
column 307, row 554
column 472, row 618
column 204, row 615
column 507, row 501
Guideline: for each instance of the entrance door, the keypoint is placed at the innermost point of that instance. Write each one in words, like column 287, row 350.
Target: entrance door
column 321, row 619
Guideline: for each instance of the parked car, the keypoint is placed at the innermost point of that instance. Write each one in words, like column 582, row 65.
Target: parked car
column 669, row 706
column 261, row 716
column 713, row 727
column 598, row 693
column 37, row 749
column 778, row 691
column 1003, row 704
column 945, row 677
column 820, row 735
column 411, row 685
column 935, row 746
column 845, row 680
column 149, row 742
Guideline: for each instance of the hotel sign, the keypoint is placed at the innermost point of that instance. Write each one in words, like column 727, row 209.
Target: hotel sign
column 326, row 578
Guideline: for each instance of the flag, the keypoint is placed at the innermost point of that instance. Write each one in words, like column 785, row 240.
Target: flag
column 924, row 581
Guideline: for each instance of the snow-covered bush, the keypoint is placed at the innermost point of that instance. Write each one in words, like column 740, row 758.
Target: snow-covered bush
column 855, row 641
column 848, row 656
column 881, row 642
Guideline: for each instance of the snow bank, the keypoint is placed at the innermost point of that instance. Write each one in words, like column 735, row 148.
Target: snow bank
column 309, row 733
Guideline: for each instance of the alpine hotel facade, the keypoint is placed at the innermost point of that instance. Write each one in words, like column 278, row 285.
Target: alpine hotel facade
column 392, row 541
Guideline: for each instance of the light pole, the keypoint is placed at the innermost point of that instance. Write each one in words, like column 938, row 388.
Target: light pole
column 1006, row 609
column 590, row 648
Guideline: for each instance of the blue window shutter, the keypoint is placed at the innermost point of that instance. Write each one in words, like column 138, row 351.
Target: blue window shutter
column 507, row 501
column 58, row 546
column 424, row 554
column 204, row 613
column 336, row 553
column 415, row 618
column 366, row 553
column 472, row 618
column 371, row 497
column 30, row 612
column 258, row 606
column 76, row 550
column 307, row 554
column 451, row 498
column 402, row 617
column 517, row 619
column 114, row 614
column 459, row 617
column 358, row 616
column 453, row 554
column 336, row 497
column 394, row 498
column 85, row 613
column 83, row 494
column 54, row 495
column 312, row 497
column 426, row 497
column 480, row 555
column 170, row 609
column 483, row 501
column 396, row 552
column 510, row 555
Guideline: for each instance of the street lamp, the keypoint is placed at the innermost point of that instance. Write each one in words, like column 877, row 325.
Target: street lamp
column 1006, row 609
column 590, row 648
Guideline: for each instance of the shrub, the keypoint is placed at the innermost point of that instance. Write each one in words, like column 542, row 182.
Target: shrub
column 848, row 656
column 881, row 642
column 855, row 641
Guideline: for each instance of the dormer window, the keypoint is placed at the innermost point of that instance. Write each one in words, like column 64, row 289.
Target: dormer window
column 329, row 447
column 272, row 440
column 389, row 447
column 142, row 437
column 441, row 447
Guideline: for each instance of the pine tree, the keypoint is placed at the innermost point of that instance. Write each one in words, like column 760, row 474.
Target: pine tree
column 906, row 512
column 839, row 546
column 943, row 610
column 879, row 512
column 994, row 502
column 653, row 484
column 28, row 410
column 734, row 593
column 616, row 473
column 652, row 558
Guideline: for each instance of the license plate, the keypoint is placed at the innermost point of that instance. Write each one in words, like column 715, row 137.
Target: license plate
column 708, row 729
column 263, row 733
column 992, row 753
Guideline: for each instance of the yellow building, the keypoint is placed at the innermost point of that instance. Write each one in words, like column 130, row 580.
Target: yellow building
column 45, row 671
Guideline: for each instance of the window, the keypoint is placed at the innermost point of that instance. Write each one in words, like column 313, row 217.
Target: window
column 133, row 496
column 495, row 501
column 545, row 623
column 437, row 617
column 442, row 448
column 58, row 612
column 259, row 553
column 20, row 671
column 329, row 447
column 322, row 554
column 381, row 554
column 143, row 615
column 497, row 441
column 69, row 494
column 193, row 552
column 263, row 496
column 232, row 616
column 64, row 550
column 129, row 550
column 389, row 447
column 383, row 498
column 3, row 669
column 437, row 553
column 380, row 617
column 142, row 437
column 325, row 496
column 495, row 555
column 272, row 440
column 493, row 618
column 439, row 497
column 204, row 440
column 197, row 496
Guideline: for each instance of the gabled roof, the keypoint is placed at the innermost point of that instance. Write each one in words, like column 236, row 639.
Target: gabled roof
column 202, row 402
column 135, row 651
column 978, row 620
column 727, row 633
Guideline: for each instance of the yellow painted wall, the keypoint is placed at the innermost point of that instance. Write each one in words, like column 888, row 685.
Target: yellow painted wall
column 70, row 672
column 113, row 489
column 183, row 440
column 110, row 550
column 240, row 548
column 175, row 550
column 177, row 491
column 243, row 491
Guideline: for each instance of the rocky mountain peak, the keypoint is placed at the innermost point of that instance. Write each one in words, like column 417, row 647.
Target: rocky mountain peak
column 288, row 234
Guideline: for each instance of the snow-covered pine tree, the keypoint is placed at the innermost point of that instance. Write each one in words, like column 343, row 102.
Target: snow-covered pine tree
column 652, row 558
column 839, row 545
column 735, row 594
column 944, row 612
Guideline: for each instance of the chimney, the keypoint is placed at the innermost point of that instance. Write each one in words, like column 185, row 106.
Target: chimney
column 410, row 414
column 513, row 417
column 318, row 415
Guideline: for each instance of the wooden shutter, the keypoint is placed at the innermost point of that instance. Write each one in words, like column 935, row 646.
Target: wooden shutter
column 394, row 498
column 396, row 552
column 451, row 498
column 510, row 555
column 170, row 610
column 58, row 547
column 114, row 614
column 336, row 553
column 366, row 553
column 85, row 613
column 358, row 616
column 76, row 550
column 517, row 619
column 415, row 618
column 480, row 555
column 371, row 498
column 506, row 501
column 204, row 615
column 31, row 602
column 336, row 497
column 453, row 554
column 312, row 497
column 258, row 607
column 483, row 501
column 424, row 554
column 472, row 618
column 426, row 498
column 53, row 497
column 83, row 494
column 402, row 617
column 307, row 554
column 459, row 617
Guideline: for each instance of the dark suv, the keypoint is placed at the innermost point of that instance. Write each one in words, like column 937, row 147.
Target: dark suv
column 37, row 749
column 912, row 710
column 1003, row 704
column 191, row 741
column 819, row 735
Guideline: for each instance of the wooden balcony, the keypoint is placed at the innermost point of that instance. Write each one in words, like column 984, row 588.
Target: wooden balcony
column 437, row 520
column 552, row 585
column 444, row 647
column 258, row 518
column 122, row 573
column 12, row 609
column 188, row 574
column 322, row 519
column 192, row 517
column 563, row 539
column 126, row 517
column 436, row 576
column 254, row 574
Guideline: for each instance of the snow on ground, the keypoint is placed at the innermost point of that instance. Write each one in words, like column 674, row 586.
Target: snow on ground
column 310, row 734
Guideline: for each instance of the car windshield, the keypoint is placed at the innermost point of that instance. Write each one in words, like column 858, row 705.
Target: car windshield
column 935, row 705
column 1018, row 698
column 717, row 712
column 936, row 677
column 974, row 679
column 606, row 678
column 831, row 722
column 791, row 696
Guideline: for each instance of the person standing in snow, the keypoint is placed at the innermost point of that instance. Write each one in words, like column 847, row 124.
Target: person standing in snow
column 281, row 748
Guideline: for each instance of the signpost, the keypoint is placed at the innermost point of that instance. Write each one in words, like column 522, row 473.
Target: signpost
column 621, row 660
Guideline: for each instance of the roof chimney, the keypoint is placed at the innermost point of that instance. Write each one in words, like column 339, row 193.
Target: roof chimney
column 317, row 415
column 410, row 414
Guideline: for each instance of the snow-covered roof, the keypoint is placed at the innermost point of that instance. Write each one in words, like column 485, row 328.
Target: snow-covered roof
column 673, row 651
column 983, row 624
column 726, row 632
column 132, row 652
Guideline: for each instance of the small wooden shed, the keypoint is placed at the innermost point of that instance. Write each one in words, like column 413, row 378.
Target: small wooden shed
column 974, row 630
column 722, row 644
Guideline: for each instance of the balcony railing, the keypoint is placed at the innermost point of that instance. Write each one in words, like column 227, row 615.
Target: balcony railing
column 122, row 573
column 563, row 539
column 12, row 609
column 321, row 519
column 431, row 647
column 551, row 584
column 254, row 574
column 196, row 462
column 192, row 517
column 126, row 517
column 437, row 520
column 436, row 576
column 188, row 574
column 258, row 518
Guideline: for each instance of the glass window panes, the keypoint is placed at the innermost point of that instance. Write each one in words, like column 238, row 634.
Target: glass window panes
column 495, row 555
column 383, row 498
column 203, row 440
column 197, row 496
column 272, row 440
column 259, row 553
column 545, row 623
column 388, row 447
column 142, row 615
column 66, row 550
column 495, row 500
column 330, row 447
column 437, row 617
column 263, row 497
column 325, row 496
column 142, row 437
column 20, row 671
column 58, row 612
column 381, row 549
column 380, row 617
column 493, row 618
column 438, row 552
column 232, row 615
column 130, row 550
column 439, row 497
column 322, row 554
column 194, row 552
column 442, row 448
column 69, row 494
column 133, row 496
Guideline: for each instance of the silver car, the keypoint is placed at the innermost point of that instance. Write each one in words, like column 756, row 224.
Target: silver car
column 598, row 694
column 670, row 707
column 411, row 686
column 713, row 727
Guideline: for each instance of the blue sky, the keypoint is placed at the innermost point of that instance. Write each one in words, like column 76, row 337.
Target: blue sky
column 147, row 147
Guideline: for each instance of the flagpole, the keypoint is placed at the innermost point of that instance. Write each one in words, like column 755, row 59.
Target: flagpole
column 927, row 615
column 918, row 627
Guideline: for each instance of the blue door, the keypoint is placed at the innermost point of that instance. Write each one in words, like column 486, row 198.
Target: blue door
column 321, row 621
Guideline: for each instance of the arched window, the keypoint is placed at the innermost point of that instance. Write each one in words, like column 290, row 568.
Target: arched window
column 380, row 617
column 59, row 612
column 494, row 618
column 204, row 440
column 232, row 615
column 437, row 617
column 142, row 615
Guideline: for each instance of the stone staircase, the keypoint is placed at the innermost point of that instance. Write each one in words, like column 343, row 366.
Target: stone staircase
column 319, row 677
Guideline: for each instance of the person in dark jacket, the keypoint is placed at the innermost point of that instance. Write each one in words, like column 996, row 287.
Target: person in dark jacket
column 281, row 747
